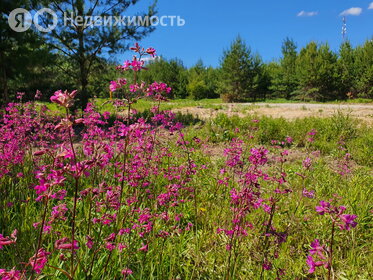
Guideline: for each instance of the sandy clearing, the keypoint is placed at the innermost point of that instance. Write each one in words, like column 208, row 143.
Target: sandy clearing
column 286, row 110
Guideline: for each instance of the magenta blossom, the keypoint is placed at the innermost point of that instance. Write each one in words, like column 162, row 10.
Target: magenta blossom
column 323, row 208
column 307, row 193
column 136, row 48
column 344, row 221
column 313, row 264
column 39, row 260
column 64, row 244
column 317, row 256
column 125, row 272
column 348, row 221
column 89, row 243
column 150, row 51
column 258, row 156
column 317, row 249
column 307, row 163
column 38, row 94
column 114, row 85
column 158, row 90
column 64, row 99
column 135, row 65
column 144, row 248
column 8, row 240
column 20, row 95
column 11, row 274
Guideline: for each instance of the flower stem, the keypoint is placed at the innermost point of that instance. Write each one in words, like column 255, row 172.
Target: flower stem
column 72, row 271
column 40, row 234
column 331, row 253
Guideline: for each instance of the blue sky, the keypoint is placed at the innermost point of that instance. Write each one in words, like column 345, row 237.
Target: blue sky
column 211, row 25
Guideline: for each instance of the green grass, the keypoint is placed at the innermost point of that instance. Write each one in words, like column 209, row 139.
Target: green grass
column 143, row 104
column 200, row 253
column 357, row 137
column 104, row 104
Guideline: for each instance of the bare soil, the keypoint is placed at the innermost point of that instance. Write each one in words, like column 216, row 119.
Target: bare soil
column 288, row 111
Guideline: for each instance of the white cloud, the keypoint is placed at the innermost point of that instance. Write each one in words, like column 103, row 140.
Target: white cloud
column 354, row 11
column 306, row 14
column 150, row 58
column 370, row 6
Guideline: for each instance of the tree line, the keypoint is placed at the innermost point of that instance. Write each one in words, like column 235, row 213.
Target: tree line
column 74, row 55
column 312, row 73
column 81, row 57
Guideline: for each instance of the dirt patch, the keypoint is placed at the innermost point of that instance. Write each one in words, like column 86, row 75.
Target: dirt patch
column 288, row 111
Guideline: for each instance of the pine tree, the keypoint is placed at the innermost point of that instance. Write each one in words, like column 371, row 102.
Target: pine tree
column 346, row 68
column 237, row 72
column 317, row 73
column 84, row 42
column 364, row 69
column 288, row 67
column 25, row 59
column 172, row 72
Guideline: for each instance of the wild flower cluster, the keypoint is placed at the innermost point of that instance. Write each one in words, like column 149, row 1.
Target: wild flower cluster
column 111, row 193
column 320, row 255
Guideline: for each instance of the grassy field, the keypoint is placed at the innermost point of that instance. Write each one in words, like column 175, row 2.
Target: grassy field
column 143, row 104
column 228, row 197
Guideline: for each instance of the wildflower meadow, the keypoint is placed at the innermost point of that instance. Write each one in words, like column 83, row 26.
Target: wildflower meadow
column 151, row 194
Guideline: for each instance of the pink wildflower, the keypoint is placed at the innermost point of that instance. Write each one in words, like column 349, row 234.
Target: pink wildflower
column 348, row 221
column 144, row 248
column 8, row 240
column 38, row 261
column 307, row 193
column 150, row 51
column 125, row 272
column 63, row 244
column 64, row 99
column 11, row 274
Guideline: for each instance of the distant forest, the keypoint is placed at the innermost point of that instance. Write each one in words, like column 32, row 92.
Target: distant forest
column 78, row 59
